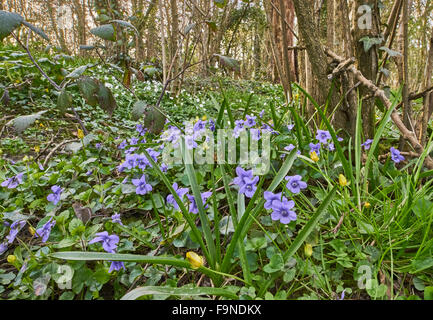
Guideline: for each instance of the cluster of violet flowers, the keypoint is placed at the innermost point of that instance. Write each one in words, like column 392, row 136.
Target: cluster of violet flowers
column 182, row 193
column 282, row 208
column 323, row 138
column 396, row 155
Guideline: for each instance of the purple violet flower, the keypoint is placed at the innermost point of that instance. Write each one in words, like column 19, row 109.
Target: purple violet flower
column 193, row 206
column 116, row 266
column 13, row 182
column 396, row 156
column 315, row 148
column 55, row 196
column 115, row 218
column 45, row 231
column 3, row 248
column 142, row 187
column 295, row 184
column 283, row 211
column 249, row 187
column 271, row 199
column 242, row 175
column 323, row 136
column 251, row 121
column 367, row 144
column 181, row 192
column 15, row 228
column 109, row 243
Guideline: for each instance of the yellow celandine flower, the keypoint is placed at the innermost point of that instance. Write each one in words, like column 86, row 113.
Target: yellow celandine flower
column 343, row 181
column 367, row 205
column 204, row 118
column 47, row 90
column 80, row 134
column 26, row 159
column 32, row 231
column 41, row 125
column 195, row 260
column 37, row 149
column 308, row 250
column 314, row 156
column 11, row 259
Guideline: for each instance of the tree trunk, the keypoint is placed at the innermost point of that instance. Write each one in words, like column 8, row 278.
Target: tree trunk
column 367, row 61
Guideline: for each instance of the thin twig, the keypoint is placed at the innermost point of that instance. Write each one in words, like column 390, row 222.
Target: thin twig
column 57, row 148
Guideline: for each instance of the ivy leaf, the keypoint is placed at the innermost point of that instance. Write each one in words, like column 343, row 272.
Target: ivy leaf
column 9, row 22
column 390, row 52
column 370, row 42
column 105, row 32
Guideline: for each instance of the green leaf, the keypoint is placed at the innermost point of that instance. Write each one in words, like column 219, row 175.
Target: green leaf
column 229, row 63
column 9, row 22
column 428, row 293
column 89, row 89
column 36, row 30
column 138, row 110
column 275, row 264
column 220, row 3
column 87, row 47
column 370, row 42
column 64, row 101
column 180, row 292
column 105, row 32
column 106, row 99
column 154, row 120
column 390, row 52
column 421, row 264
column 22, row 123
column 125, row 24
column 77, row 72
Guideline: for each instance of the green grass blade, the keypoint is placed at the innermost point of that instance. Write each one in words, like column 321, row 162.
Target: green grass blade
column 179, row 292
column 303, row 235
column 205, row 223
column 239, row 231
column 182, row 207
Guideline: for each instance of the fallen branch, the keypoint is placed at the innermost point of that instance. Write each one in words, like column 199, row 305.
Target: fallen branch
column 57, row 148
column 407, row 134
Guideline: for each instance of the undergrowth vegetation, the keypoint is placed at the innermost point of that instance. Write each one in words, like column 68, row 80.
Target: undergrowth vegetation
column 101, row 216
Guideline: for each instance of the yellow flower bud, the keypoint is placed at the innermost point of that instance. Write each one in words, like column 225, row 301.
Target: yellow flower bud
column 367, row 205
column 195, row 260
column 11, row 259
column 32, row 231
column 314, row 156
column 47, row 90
column 37, row 149
column 80, row 134
column 204, row 118
column 26, row 159
column 343, row 181
column 308, row 250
